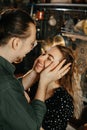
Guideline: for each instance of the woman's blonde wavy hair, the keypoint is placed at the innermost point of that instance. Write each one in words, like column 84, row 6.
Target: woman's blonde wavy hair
column 71, row 81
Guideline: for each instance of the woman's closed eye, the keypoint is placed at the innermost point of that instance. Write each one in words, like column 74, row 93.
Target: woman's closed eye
column 50, row 58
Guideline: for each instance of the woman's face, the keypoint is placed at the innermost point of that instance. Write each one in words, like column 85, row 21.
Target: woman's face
column 47, row 57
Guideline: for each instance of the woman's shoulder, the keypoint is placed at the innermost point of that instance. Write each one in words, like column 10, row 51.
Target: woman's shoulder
column 62, row 92
column 63, row 95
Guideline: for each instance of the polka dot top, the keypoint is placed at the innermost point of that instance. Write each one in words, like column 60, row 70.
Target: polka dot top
column 59, row 110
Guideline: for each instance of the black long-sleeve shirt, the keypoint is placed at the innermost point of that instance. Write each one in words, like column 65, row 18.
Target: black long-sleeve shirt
column 59, row 110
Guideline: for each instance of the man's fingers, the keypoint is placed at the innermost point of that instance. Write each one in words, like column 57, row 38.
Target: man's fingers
column 64, row 68
column 63, row 71
column 57, row 65
column 51, row 66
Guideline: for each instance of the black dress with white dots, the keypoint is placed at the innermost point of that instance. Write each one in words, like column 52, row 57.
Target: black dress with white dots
column 59, row 110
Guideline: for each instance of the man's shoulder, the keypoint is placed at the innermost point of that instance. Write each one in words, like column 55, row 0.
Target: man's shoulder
column 4, row 82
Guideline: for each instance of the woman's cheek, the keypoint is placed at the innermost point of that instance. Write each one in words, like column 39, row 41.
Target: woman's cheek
column 47, row 63
column 38, row 69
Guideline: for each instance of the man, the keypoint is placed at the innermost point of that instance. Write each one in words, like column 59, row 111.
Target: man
column 17, row 38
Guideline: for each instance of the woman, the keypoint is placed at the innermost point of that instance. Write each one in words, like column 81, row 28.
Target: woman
column 64, row 96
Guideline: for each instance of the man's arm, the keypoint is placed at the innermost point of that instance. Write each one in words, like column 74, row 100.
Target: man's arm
column 22, row 115
column 29, row 79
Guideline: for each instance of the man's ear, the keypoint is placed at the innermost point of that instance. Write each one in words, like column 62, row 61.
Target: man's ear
column 16, row 43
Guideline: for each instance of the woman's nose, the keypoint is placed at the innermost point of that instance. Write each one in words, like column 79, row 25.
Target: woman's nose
column 43, row 57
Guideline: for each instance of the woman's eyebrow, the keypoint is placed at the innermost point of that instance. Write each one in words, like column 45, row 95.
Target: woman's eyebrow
column 51, row 56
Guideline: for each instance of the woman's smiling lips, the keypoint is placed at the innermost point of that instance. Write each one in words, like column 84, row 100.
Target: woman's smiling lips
column 40, row 65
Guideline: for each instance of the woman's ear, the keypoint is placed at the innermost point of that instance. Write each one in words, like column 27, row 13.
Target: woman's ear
column 16, row 43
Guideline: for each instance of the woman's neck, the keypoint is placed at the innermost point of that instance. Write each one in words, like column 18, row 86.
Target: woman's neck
column 51, row 87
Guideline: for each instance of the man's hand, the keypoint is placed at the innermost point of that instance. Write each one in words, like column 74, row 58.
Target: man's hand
column 54, row 72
